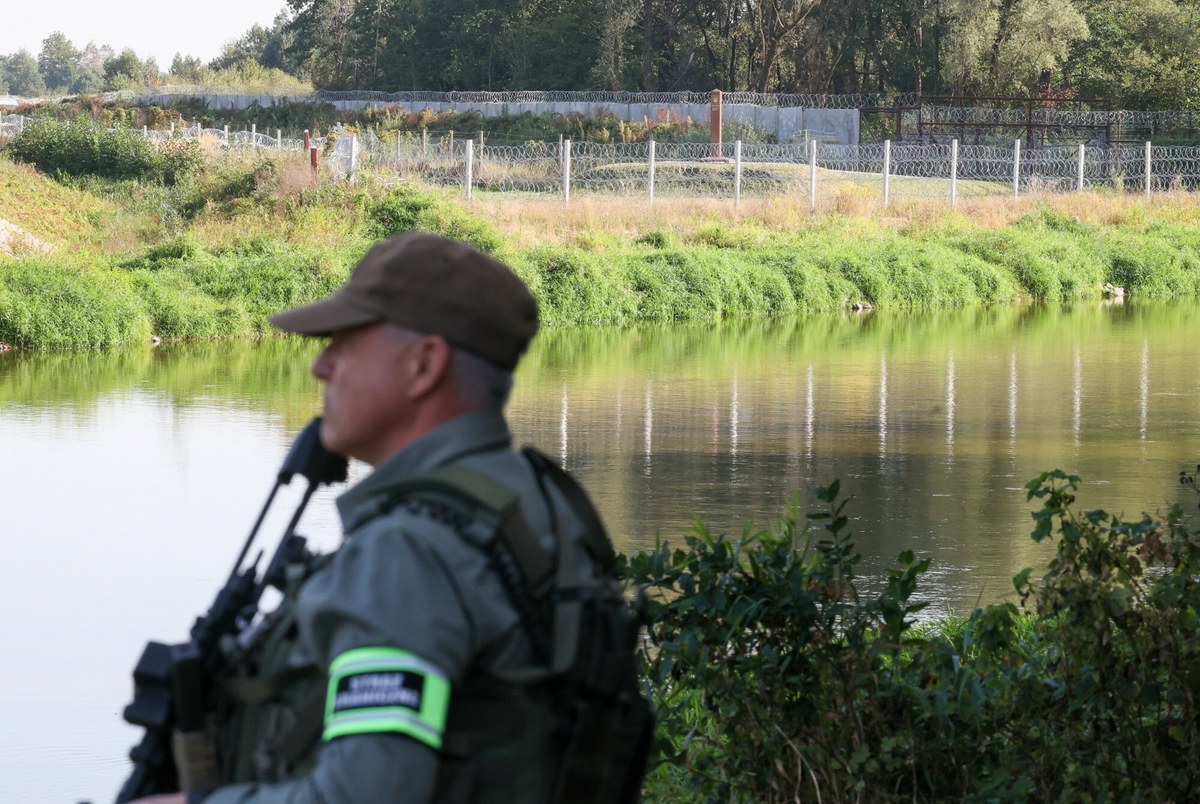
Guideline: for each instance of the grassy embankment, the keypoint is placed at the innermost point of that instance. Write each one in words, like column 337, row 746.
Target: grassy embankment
column 213, row 255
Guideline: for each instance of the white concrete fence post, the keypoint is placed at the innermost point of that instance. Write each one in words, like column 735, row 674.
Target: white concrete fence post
column 1149, row 174
column 278, row 139
column 254, row 135
column 650, row 173
column 1016, row 168
column 737, row 172
column 812, row 175
column 1079, row 169
column 145, row 132
column 353, row 156
column 424, row 142
column 468, row 174
column 226, row 135
column 887, row 170
column 566, row 171
column 953, row 172
column 172, row 129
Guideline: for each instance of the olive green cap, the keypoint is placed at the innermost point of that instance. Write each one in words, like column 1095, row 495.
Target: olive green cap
column 434, row 285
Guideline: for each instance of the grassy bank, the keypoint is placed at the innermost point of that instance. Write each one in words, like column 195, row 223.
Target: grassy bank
column 216, row 252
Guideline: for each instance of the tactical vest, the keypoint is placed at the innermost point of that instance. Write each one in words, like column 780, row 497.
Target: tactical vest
column 585, row 728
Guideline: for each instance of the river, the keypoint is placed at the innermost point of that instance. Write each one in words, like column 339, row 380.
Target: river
column 130, row 479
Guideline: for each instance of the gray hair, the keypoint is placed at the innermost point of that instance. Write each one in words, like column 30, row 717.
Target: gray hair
column 481, row 384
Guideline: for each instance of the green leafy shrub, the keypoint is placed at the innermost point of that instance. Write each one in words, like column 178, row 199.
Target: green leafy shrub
column 410, row 208
column 782, row 675
column 81, row 147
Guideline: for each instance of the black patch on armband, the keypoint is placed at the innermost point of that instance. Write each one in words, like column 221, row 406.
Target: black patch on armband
column 379, row 690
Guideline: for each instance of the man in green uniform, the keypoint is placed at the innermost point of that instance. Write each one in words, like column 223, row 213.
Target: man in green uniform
column 407, row 640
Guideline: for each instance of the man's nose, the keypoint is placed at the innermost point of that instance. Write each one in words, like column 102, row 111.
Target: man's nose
column 320, row 366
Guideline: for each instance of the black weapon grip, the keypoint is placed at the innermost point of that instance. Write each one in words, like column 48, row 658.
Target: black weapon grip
column 308, row 457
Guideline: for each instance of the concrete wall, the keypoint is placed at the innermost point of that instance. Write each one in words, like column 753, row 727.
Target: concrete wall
column 787, row 123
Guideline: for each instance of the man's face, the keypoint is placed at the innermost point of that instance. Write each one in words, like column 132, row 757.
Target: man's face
column 368, row 410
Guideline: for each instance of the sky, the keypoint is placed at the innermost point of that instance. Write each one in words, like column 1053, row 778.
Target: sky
column 158, row 29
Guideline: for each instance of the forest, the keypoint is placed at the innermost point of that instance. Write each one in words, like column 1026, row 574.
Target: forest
column 1126, row 54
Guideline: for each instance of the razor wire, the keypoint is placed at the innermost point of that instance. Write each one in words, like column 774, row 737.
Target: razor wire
column 785, row 100
column 13, row 124
column 723, row 170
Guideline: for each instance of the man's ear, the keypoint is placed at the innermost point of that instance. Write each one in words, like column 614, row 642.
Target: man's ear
column 430, row 364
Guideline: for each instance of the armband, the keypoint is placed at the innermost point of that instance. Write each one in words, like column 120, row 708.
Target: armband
column 386, row 690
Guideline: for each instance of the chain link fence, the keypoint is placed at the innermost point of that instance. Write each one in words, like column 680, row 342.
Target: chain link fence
column 822, row 173
column 734, row 170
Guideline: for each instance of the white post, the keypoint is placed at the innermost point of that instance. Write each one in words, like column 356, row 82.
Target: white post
column 1079, row 170
column 145, row 132
column 812, row 176
column 953, row 172
column 650, row 174
column 278, row 140
column 470, row 166
column 353, row 155
column 398, row 148
column 1017, row 168
column 254, row 136
column 172, row 129
column 424, row 141
column 226, row 135
column 887, row 169
column 737, row 172
column 566, row 171
column 1149, row 176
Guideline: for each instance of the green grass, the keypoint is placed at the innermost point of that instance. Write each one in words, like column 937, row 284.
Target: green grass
column 214, row 256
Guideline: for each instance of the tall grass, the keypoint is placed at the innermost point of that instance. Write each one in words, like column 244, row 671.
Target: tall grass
column 214, row 255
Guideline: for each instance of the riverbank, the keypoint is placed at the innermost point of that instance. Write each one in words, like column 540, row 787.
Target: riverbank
column 214, row 256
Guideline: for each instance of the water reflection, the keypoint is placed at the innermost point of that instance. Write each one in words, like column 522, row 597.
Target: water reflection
column 129, row 479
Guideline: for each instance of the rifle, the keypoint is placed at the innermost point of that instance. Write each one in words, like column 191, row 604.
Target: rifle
column 173, row 683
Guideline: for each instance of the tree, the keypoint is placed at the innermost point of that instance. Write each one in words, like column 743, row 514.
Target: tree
column 58, row 62
column 1143, row 54
column 1035, row 35
column 21, row 71
column 248, row 47
column 187, row 68
column 126, row 70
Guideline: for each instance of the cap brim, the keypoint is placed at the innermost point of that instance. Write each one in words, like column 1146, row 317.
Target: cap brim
column 324, row 317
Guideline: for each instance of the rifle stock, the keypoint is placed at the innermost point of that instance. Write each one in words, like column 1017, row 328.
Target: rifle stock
column 172, row 683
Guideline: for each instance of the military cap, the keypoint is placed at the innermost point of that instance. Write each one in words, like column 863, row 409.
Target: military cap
column 433, row 285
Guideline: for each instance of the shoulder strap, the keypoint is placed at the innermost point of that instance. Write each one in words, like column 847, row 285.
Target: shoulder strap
column 597, row 541
column 497, row 506
column 558, row 578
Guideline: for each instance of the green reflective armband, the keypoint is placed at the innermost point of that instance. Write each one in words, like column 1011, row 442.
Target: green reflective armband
column 374, row 690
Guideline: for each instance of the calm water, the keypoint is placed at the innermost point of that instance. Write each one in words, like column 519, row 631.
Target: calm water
column 129, row 480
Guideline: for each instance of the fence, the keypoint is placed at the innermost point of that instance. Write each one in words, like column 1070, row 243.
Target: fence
column 732, row 170
column 13, row 124
column 737, row 170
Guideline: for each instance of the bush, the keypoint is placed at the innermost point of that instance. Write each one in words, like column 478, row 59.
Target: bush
column 409, row 208
column 81, row 147
column 779, row 678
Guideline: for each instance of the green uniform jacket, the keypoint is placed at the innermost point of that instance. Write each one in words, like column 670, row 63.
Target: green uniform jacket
column 411, row 589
